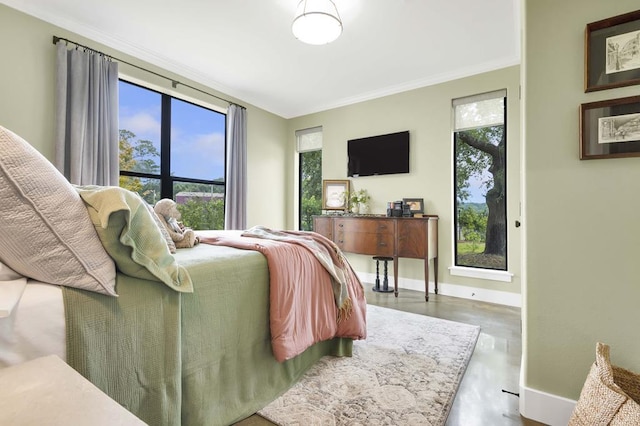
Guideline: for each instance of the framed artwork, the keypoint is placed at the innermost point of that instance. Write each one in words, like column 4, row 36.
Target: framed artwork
column 610, row 129
column 334, row 194
column 416, row 205
column 612, row 52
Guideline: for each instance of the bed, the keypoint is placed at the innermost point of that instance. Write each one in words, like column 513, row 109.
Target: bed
column 176, row 339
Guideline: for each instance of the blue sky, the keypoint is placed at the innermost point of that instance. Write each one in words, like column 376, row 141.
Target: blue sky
column 197, row 134
column 477, row 188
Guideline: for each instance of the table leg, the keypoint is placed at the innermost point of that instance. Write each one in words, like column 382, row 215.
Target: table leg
column 426, row 280
column 395, row 275
column 435, row 272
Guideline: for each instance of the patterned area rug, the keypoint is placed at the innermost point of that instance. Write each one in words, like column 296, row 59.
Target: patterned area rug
column 407, row 372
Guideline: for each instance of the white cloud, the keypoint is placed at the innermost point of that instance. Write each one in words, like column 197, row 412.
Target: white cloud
column 199, row 155
column 212, row 143
column 143, row 125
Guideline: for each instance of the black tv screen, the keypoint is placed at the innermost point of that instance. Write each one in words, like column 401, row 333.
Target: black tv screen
column 378, row 155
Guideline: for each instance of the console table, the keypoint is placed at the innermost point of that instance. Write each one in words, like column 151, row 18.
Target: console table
column 409, row 237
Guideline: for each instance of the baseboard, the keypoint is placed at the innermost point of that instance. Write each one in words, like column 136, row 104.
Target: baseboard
column 454, row 290
column 552, row 410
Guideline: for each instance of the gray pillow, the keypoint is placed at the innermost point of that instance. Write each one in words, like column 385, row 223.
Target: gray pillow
column 45, row 232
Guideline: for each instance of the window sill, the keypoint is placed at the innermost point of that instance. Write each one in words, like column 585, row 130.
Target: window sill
column 483, row 274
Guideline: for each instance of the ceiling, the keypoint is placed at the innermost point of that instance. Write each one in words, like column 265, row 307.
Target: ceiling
column 245, row 48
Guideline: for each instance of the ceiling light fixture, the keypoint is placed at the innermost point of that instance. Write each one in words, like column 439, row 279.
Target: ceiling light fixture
column 316, row 22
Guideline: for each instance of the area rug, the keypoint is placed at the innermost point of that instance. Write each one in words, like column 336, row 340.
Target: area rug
column 406, row 372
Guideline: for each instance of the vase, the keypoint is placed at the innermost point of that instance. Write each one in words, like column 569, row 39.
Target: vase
column 355, row 208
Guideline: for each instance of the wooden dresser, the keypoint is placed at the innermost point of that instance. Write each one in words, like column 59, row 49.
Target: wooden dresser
column 414, row 238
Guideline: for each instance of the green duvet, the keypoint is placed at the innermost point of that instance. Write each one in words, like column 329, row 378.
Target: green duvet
column 201, row 358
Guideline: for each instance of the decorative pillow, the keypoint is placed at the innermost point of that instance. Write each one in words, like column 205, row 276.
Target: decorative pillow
column 45, row 232
column 163, row 230
column 131, row 236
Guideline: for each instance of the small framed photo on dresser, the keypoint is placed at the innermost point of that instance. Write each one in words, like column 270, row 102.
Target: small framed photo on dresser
column 335, row 194
column 416, row 205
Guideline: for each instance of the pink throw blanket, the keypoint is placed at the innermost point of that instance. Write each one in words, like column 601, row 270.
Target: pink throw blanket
column 304, row 308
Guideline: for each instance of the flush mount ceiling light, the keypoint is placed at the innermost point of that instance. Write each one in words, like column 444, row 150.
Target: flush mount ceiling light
column 316, row 22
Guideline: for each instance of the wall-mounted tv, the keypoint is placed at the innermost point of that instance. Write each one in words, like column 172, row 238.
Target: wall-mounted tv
column 378, row 155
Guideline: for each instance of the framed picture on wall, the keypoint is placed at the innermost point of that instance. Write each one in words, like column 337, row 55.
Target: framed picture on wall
column 610, row 129
column 335, row 194
column 612, row 52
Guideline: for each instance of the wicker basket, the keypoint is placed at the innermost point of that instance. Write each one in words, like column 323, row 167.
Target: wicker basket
column 610, row 395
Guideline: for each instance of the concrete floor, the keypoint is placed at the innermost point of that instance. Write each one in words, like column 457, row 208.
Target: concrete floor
column 494, row 366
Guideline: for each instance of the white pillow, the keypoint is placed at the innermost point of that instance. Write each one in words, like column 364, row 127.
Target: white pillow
column 45, row 232
column 12, row 285
column 10, row 295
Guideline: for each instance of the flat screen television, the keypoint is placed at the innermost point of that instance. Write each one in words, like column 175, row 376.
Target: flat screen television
column 378, row 155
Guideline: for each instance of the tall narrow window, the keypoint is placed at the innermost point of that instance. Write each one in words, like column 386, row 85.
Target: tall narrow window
column 309, row 145
column 171, row 148
column 480, row 176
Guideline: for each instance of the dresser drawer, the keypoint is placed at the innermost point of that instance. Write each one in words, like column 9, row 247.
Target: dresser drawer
column 364, row 225
column 364, row 236
column 412, row 238
column 323, row 226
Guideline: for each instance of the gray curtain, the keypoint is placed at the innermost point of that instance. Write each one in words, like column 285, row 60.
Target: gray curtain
column 235, row 206
column 86, row 117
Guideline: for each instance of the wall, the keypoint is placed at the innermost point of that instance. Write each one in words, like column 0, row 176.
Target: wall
column 581, row 217
column 27, row 88
column 426, row 113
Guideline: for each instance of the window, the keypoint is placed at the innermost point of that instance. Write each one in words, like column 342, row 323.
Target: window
column 309, row 145
column 171, row 148
column 480, row 176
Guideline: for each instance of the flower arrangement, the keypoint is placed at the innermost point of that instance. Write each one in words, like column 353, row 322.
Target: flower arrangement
column 359, row 201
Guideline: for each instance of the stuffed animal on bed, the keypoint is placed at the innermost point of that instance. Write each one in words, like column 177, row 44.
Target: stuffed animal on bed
column 169, row 215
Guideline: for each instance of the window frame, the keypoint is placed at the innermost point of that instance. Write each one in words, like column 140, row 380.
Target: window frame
column 496, row 274
column 167, row 181
column 301, row 149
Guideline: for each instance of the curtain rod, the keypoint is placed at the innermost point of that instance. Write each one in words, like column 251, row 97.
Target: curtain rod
column 174, row 83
